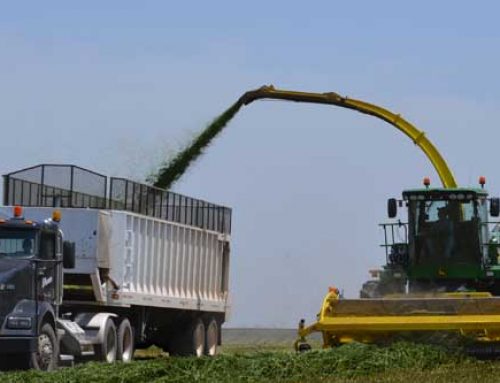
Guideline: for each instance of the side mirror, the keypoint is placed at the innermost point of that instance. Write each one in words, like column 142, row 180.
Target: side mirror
column 392, row 207
column 69, row 257
column 495, row 207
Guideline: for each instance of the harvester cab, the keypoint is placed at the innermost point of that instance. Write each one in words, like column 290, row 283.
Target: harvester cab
column 446, row 244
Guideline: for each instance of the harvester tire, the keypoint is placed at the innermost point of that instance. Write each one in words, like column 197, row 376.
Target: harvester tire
column 370, row 289
column 304, row 347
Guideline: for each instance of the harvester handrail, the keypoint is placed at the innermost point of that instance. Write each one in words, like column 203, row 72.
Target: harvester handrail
column 331, row 98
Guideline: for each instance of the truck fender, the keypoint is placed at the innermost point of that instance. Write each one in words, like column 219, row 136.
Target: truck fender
column 45, row 312
column 94, row 324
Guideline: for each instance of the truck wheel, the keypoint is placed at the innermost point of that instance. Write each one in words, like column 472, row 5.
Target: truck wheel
column 211, row 338
column 125, row 350
column 106, row 352
column 46, row 357
column 191, row 341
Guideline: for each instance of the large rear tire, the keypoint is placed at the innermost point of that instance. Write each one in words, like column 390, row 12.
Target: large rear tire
column 125, row 347
column 107, row 351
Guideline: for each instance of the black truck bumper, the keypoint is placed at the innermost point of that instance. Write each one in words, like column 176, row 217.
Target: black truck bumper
column 17, row 344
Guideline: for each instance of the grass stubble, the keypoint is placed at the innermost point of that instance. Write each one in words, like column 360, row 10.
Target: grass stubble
column 397, row 362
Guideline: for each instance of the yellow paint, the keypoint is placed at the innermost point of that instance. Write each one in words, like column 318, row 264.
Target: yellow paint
column 416, row 135
column 345, row 329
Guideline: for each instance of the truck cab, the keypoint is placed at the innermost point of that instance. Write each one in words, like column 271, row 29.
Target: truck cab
column 32, row 256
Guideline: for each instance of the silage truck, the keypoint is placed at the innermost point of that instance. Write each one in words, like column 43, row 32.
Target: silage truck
column 92, row 267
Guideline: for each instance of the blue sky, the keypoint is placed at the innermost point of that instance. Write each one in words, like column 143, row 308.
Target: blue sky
column 117, row 86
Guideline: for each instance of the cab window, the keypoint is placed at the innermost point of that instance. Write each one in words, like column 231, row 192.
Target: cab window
column 17, row 243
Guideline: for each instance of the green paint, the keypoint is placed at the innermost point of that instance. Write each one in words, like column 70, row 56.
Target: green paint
column 451, row 271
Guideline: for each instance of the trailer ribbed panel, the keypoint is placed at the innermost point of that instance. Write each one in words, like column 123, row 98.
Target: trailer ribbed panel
column 174, row 261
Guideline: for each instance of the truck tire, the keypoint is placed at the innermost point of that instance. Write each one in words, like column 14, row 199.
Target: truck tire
column 125, row 346
column 107, row 351
column 46, row 358
column 211, row 337
column 191, row 341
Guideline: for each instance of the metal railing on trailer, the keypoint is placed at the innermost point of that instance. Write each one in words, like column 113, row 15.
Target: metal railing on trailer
column 49, row 185
column 144, row 199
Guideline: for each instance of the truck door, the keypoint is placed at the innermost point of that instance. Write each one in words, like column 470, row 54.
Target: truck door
column 47, row 267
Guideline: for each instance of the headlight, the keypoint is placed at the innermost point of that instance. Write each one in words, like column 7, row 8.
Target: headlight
column 20, row 323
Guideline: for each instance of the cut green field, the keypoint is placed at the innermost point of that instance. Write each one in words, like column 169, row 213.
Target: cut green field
column 399, row 362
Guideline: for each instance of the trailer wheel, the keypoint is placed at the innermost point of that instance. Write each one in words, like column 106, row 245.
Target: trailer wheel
column 304, row 347
column 125, row 351
column 191, row 341
column 106, row 352
column 211, row 338
column 46, row 357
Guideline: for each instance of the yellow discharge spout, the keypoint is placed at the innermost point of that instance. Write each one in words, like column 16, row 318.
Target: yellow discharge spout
column 331, row 98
